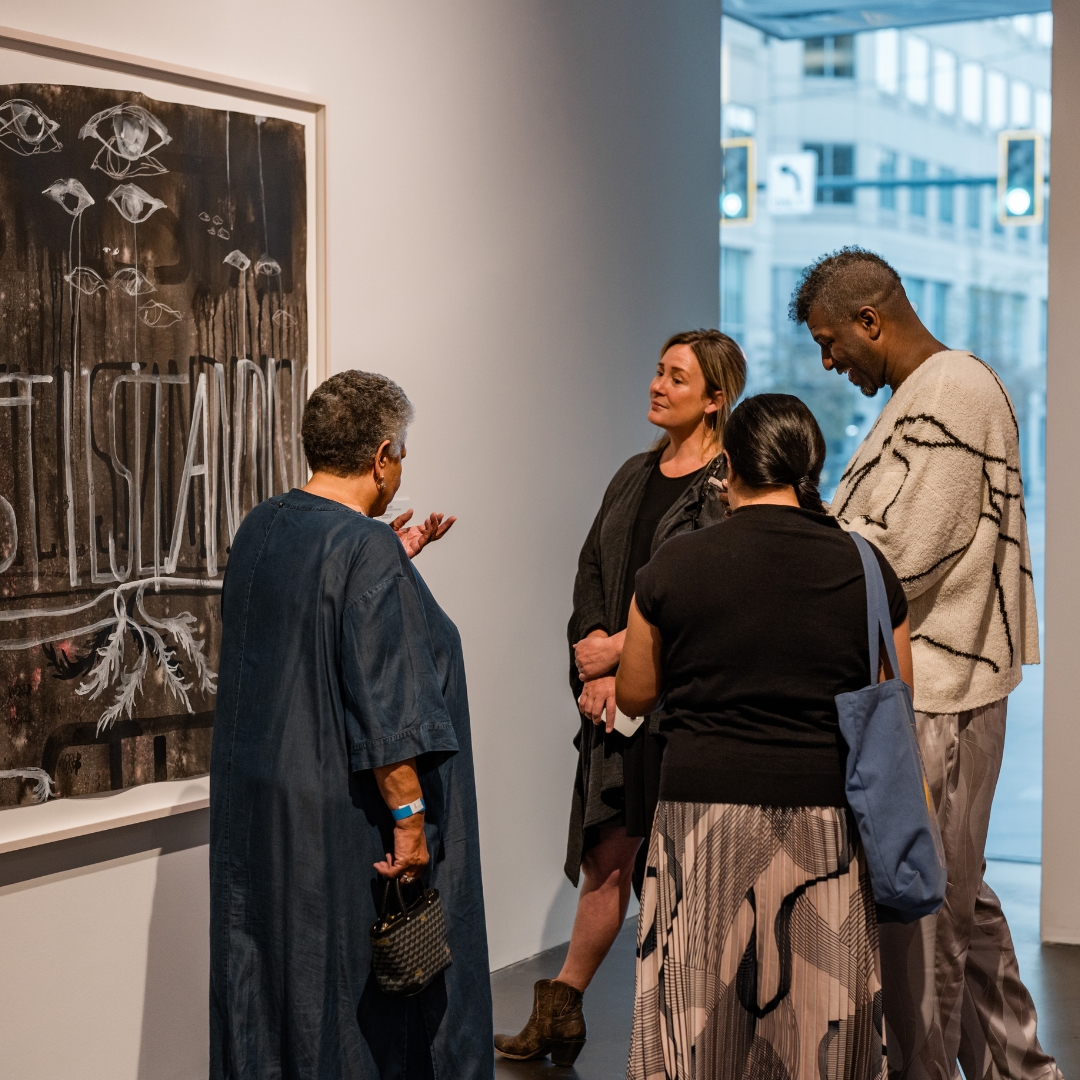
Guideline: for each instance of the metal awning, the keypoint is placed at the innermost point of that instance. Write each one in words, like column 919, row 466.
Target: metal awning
column 817, row 18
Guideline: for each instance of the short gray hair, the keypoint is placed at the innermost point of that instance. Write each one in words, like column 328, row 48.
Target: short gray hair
column 349, row 417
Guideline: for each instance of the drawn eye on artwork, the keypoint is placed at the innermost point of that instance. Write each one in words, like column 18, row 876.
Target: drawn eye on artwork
column 70, row 194
column 282, row 318
column 133, row 281
column 217, row 226
column 268, row 267
column 238, row 259
column 134, row 204
column 86, row 280
column 158, row 315
column 128, row 150
column 25, row 129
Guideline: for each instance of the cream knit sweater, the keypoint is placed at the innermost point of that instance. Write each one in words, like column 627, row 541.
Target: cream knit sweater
column 936, row 485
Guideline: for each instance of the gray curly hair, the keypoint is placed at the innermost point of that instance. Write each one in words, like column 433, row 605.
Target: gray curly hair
column 348, row 418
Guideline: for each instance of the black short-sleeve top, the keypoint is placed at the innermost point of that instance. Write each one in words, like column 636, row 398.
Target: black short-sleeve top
column 763, row 621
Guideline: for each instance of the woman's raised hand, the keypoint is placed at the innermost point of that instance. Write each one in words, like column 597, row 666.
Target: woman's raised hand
column 597, row 701
column 415, row 538
column 597, row 654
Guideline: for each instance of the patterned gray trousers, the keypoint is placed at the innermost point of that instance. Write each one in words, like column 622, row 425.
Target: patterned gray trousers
column 951, row 986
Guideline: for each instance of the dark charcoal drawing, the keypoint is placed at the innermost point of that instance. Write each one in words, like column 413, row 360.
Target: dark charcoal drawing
column 153, row 357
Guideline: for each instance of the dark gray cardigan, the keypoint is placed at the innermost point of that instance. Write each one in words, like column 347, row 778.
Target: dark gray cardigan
column 598, row 592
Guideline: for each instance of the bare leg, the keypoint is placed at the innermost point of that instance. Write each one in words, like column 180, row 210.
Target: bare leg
column 607, row 869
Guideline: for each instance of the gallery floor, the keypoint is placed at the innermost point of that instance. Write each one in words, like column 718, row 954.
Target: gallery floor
column 1052, row 973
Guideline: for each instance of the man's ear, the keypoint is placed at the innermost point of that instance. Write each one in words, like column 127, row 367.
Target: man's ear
column 870, row 321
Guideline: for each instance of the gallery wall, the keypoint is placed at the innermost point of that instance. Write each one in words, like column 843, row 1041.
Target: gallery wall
column 521, row 207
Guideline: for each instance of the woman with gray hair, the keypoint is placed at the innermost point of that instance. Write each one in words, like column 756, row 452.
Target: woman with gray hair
column 342, row 757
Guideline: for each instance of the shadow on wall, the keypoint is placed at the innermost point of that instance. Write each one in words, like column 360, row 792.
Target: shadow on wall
column 175, row 1043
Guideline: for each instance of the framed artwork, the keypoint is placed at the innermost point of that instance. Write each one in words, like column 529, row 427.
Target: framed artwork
column 162, row 317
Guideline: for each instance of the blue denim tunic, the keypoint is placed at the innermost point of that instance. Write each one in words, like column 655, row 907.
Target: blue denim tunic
column 335, row 659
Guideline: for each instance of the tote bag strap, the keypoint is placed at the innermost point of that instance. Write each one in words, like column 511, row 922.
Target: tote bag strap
column 878, row 616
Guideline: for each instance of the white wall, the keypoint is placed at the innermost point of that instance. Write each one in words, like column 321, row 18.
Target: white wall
column 1061, row 732
column 522, row 205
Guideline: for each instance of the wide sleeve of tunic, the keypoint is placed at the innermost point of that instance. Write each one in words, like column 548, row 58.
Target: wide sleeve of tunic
column 391, row 690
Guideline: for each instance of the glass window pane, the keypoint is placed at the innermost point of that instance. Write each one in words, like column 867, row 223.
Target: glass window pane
column 1042, row 111
column 843, row 164
column 973, row 215
column 1024, row 25
column 939, row 327
column 733, row 291
column 1021, row 104
column 917, row 198
column 1044, row 28
column 945, row 199
column 917, row 70
column 819, row 149
column 887, row 171
column 887, row 61
column 916, row 291
column 974, row 286
column 997, row 115
column 945, row 81
column 814, row 57
column 971, row 91
column 843, row 57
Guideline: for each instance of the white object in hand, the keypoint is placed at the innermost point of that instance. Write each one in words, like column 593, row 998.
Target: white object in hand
column 626, row 725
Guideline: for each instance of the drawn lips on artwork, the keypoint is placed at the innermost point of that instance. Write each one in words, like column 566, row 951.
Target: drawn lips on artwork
column 70, row 194
column 86, row 280
column 133, row 281
column 134, row 204
column 25, row 129
column 129, row 150
column 158, row 315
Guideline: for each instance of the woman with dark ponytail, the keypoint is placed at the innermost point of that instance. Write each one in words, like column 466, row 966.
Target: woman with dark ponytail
column 757, row 938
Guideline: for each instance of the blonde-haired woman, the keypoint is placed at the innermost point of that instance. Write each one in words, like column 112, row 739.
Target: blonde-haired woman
column 672, row 488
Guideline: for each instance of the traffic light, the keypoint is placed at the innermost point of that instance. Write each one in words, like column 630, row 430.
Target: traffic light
column 1020, row 178
column 738, row 193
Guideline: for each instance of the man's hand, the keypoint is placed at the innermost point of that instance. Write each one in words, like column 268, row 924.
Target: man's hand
column 596, row 654
column 417, row 537
column 410, row 854
column 598, row 698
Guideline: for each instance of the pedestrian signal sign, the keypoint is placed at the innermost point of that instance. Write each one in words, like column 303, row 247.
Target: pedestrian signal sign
column 1020, row 178
column 738, row 192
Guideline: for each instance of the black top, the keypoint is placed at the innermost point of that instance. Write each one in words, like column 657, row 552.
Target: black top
column 763, row 622
column 658, row 498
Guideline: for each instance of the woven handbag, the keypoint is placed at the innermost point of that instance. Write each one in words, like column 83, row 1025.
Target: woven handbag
column 409, row 947
column 885, row 783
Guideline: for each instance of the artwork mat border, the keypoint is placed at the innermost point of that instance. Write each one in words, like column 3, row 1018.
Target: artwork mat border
column 277, row 101
column 56, row 820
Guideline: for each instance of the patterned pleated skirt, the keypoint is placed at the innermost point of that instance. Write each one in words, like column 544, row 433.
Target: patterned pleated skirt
column 757, row 949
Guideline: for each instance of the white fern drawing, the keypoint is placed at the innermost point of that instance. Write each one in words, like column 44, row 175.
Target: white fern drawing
column 151, row 633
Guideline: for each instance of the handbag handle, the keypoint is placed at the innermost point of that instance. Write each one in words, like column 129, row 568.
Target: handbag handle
column 400, row 896
column 878, row 616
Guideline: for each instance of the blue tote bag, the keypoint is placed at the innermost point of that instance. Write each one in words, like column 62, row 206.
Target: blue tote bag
column 885, row 784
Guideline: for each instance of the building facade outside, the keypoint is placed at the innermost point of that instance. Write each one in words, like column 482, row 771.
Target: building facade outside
column 925, row 103
column 916, row 104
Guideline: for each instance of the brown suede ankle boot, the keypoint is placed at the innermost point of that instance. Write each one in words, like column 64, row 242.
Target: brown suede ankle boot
column 556, row 1027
